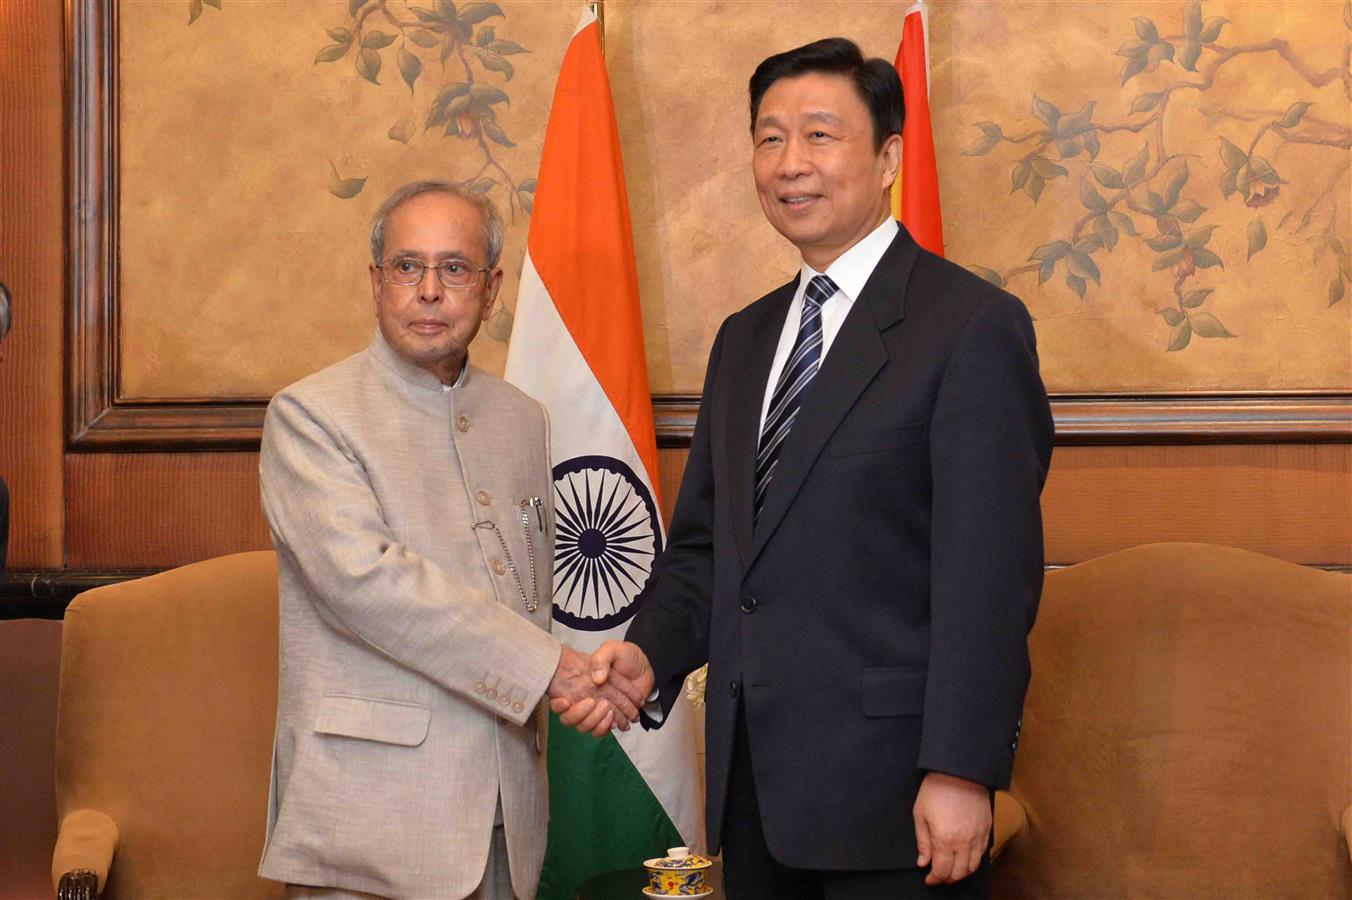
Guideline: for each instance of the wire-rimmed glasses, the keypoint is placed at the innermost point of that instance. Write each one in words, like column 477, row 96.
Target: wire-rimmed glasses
column 452, row 273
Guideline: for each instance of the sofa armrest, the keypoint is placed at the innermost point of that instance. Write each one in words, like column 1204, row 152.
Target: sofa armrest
column 1347, row 830
column 85, row 845
column 1010, row 821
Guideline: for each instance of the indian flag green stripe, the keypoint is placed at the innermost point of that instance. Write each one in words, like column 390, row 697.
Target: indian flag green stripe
column 602, row 815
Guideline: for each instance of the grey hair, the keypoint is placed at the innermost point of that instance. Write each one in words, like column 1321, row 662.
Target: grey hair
column 492, row 221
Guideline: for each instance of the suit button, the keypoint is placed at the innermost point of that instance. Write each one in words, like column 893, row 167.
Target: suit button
column 734, row 688
column 505, row 700
column 483, row 498
column 479, row 688
column 499, row 567
column 518, row 706
column 462, row 424
column 749, row 604
column 491, row 694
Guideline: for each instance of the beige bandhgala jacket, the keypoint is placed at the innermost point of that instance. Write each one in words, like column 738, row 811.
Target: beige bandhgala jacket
column 412, row 672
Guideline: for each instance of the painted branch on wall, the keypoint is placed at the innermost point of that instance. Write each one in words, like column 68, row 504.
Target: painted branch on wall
column 1151, row 196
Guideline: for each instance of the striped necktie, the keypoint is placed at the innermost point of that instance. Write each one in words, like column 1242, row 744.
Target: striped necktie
column 798, row 372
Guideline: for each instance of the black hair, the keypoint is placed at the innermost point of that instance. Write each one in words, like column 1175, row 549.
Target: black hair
column 875, row 80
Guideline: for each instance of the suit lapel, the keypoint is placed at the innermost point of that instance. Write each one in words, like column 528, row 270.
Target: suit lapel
column 856, row 356
column 743, row 423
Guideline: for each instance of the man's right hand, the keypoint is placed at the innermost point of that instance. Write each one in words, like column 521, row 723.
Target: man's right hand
column 586, row 705
column 625, row 666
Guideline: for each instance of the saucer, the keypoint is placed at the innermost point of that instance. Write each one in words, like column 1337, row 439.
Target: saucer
column 648, row 893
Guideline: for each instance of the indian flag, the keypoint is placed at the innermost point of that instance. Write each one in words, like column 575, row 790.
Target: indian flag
column 577, row 347
column 915, row 195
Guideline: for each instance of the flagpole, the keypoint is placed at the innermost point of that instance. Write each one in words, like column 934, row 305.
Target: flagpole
column 598, row 8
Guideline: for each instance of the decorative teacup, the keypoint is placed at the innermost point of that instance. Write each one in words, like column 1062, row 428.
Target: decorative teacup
column 678, row 874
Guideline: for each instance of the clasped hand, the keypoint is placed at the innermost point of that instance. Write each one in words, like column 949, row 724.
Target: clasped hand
column 603, row 691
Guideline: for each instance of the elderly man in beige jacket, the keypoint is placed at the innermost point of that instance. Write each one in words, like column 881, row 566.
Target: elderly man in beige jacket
column 409, row 496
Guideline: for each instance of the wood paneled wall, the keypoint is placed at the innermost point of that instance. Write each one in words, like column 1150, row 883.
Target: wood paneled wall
column 156, row 510
column 31, row 260
column 1293, row 501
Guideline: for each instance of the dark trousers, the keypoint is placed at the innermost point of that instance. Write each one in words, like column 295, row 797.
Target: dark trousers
column 751, row 873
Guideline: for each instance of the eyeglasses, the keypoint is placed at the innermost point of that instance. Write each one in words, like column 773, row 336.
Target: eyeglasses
column 452, row 273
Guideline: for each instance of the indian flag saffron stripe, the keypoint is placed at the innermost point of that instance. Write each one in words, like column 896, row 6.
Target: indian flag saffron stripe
column 915, row 195
column 577, row 347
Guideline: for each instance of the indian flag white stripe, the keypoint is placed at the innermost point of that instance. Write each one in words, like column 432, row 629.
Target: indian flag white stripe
column 544, row 361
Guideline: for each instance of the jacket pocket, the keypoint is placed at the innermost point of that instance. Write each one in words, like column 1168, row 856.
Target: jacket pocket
column 893, row 692
column 371, row 719
column 855, row 442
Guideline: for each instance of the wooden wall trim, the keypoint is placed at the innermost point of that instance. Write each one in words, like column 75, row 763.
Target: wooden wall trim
column 100, row 419
column 91, row 216
column 1080, row 420
column 1233, row 418
column 46, row 594
column 1140, row 420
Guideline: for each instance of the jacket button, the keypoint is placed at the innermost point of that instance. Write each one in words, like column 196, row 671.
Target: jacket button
column 483, row 498
column 491, row 694
column 499, row 567
column 479, row 688
column 505, row 700
column 749, row 604
column 462, row 424
column 518, row 706
column 734, row 688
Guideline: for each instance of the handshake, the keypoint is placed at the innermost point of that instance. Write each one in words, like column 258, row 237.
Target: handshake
column 603, row 691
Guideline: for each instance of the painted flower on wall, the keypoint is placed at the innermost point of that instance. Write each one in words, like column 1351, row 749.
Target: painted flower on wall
column 452, row 54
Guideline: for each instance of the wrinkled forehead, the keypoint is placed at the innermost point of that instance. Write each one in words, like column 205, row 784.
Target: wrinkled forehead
column 438, row 223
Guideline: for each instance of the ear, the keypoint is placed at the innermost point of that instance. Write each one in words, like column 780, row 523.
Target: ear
column 890, row 156
column 491, row 292
column 375, row 287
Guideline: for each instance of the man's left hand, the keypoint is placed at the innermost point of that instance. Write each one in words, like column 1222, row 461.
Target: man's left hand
column 952, row 826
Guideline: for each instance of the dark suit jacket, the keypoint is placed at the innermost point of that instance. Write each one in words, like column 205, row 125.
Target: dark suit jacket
column 874, row 623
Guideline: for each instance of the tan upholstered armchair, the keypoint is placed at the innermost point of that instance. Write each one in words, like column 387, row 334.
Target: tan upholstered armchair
column 1187, row 733
column 164, row 733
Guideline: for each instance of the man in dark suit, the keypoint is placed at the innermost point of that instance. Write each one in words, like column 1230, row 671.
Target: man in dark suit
column 857, row 545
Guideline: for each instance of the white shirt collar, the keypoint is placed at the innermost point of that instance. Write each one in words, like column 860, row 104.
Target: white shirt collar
column 852, row 269
column 460, row 379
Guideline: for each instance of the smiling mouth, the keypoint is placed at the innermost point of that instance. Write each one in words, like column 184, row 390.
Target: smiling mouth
column 799, row 201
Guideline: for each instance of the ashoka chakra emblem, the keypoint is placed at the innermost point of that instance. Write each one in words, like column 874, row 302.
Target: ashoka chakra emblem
column 607, row 536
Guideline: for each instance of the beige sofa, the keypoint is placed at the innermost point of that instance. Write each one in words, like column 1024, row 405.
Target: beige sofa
column 1186, row 733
